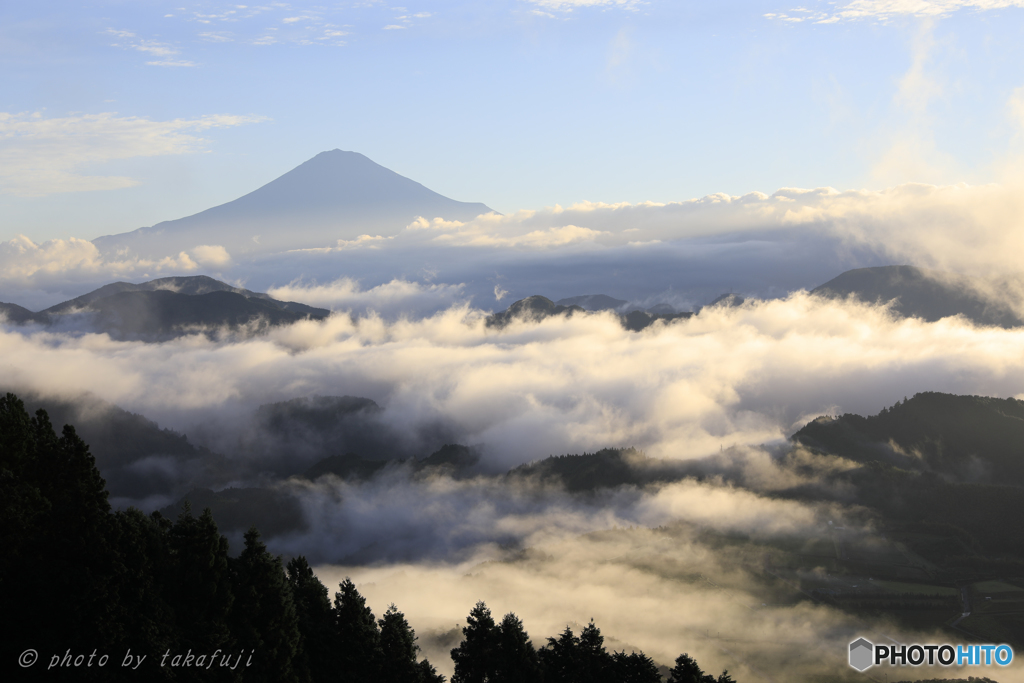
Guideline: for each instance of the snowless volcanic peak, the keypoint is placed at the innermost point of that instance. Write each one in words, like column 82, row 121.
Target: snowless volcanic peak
column 335, row 195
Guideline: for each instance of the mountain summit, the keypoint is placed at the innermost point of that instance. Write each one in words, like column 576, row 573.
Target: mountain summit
column 335, row 195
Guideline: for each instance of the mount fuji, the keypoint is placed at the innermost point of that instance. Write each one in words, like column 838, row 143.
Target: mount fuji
column 336, row 195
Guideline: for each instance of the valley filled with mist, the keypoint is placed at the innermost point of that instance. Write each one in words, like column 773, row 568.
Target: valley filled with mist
column 524, row 341
column 756, row 482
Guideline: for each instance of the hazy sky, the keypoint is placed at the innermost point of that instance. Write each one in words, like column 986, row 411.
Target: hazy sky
column 115, row 115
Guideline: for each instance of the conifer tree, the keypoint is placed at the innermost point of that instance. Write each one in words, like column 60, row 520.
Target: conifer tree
column 427, row 673
column 54, row 515
column 398, row 648
column 316, row 658
column 594, row 661
column 635, row 667
column 686, row 670
column 197, row 583
column 145, row 618
column 263, row 614
column 516, row 658
column 560, row 658
column 357, row 640
column 474, row 657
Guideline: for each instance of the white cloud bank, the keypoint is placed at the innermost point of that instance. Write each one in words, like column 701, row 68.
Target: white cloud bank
column 971, row 229
column 742, row 376
column 389, row 298
column 976, row 231
column 62, row 263
column 956, row 227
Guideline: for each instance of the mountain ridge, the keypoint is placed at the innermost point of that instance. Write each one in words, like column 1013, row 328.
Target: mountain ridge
column 919, row 293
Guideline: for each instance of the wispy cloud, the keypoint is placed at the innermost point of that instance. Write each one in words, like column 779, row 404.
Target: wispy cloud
column 216, row 37
column 130, row 41
column 41, row 156
column 407, row 19
column 888, row 9
column 570, row 5
column 276, row 24
column 172, row 62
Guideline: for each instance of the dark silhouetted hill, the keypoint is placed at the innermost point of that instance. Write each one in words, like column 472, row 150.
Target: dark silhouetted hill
column 290, row 437
column 348, row 466
column 973, row 438
column 13, row 313
column 607, row 468
column 593, row 302
column 919, row 293
column 294, row 434
column 639, row 320
column 939, row 461
column 168, row 307
column 451, row 457
column 532, row 309
column 192, row 284
column 335, row 195
column 159, row 315
column 728, row 300
column 537, row 308
column 136, row 457
column 453, row 460
column 311, row 414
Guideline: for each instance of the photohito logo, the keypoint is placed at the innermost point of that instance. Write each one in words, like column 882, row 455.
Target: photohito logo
column 861, row 654
column 865, row 654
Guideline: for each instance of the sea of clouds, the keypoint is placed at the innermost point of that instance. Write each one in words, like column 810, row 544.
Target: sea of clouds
column 682, row 253
column 724, row 388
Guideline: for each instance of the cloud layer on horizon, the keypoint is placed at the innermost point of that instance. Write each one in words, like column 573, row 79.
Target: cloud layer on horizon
column 757, row 244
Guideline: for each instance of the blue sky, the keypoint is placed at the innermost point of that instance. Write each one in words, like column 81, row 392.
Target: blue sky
column 115, row 115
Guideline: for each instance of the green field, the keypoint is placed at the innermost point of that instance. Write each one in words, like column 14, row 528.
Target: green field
column 989, row 587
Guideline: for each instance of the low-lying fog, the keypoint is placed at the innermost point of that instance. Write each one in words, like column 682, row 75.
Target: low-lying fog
column 729, row 384
column 653, row 566
column 729, row 376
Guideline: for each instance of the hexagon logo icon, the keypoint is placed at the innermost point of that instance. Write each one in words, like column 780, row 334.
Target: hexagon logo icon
column 861, row 653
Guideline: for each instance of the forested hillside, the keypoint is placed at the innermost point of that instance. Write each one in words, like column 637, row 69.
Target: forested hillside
column 111, row 596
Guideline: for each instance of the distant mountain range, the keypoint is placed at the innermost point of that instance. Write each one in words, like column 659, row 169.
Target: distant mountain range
column 594, row 302
column 168, row 307
column 335, row 195
column 165, row 308
column 912, row 292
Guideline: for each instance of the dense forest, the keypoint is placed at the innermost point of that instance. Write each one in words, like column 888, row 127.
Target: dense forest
column 98, row 595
